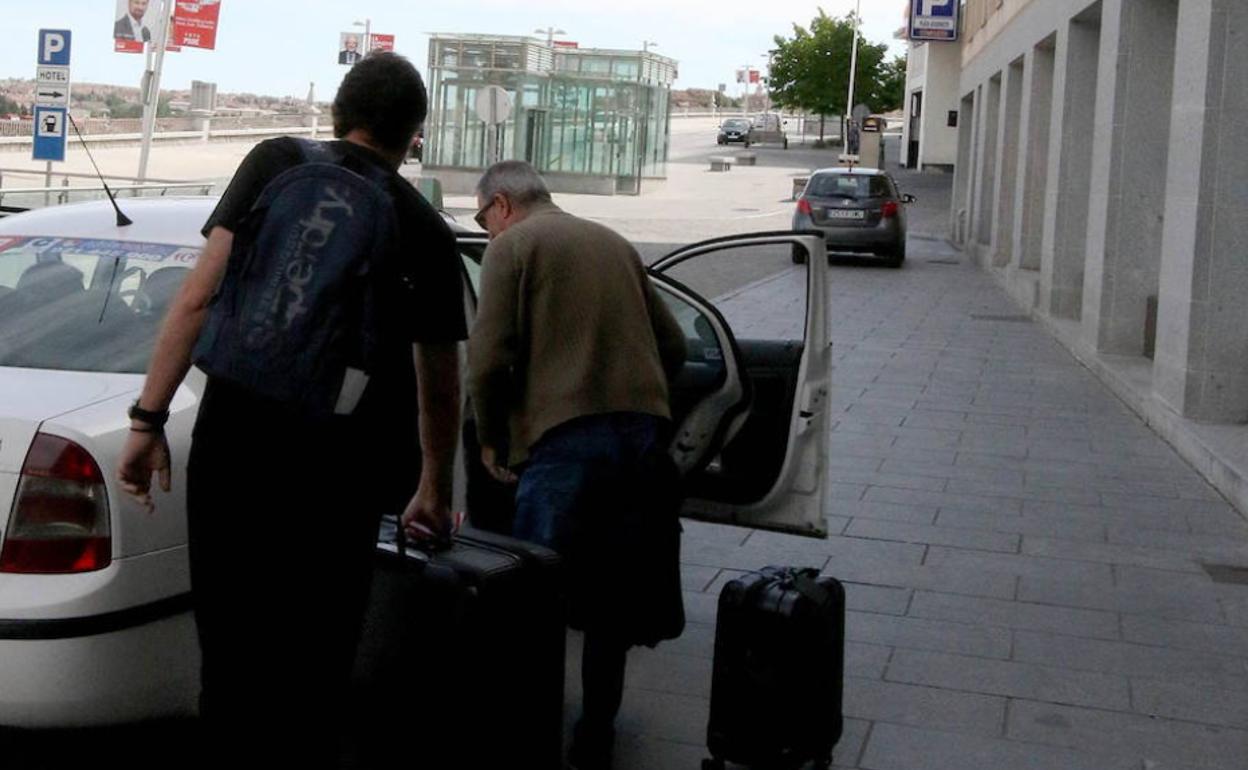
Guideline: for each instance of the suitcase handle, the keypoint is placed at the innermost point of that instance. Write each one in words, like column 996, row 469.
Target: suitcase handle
column 432, row 544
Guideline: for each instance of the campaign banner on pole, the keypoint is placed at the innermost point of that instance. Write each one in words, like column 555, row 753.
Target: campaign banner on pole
column 934, row 20
column 349, row 49
column 754, row 75
column 381, row 43
column 132, row 24
column 195, row 23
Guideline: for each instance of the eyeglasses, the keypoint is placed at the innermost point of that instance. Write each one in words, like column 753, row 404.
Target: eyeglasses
column 479, row 217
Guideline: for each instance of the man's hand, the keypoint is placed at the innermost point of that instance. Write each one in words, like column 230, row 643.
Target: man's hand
column 427, row 517
column 489, row 458
column 143, row 455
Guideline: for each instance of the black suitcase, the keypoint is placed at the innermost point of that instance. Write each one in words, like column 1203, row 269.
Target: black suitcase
column 461, row 663
column 778, row 672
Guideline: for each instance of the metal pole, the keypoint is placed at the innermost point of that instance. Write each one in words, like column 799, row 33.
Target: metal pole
column 368, row 36
column 853, row 70
column 151, row 84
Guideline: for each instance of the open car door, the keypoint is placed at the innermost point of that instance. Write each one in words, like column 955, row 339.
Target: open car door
column 750, row 404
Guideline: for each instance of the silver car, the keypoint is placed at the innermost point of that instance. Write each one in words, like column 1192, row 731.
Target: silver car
column 857, row 210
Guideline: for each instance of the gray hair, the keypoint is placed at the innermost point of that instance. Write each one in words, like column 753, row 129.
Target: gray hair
column 517, row 180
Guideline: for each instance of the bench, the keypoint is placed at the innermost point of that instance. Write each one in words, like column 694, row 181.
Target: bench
column 799, row 184
column 746, row 159
column 721, row 164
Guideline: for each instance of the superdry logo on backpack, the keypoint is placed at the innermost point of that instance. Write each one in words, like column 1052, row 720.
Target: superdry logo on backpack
column 285, row 300
column 294, row 317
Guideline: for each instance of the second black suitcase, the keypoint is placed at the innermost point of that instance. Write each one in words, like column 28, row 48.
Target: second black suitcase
column 779, row 668
column 461, row 664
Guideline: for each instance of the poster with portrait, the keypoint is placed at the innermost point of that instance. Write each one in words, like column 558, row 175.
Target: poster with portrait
column 132, row 24
column 350, row 47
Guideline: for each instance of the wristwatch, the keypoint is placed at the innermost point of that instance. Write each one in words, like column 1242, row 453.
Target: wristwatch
column 154, row 419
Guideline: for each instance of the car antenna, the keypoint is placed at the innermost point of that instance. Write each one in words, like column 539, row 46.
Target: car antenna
column 122, row 219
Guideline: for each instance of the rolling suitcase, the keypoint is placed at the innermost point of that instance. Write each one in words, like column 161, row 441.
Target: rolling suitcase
column 461, row 663
column 778, row 671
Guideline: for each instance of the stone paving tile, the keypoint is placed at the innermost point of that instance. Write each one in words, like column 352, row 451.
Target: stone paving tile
column 1012, row 614
column 1174, row 603
column 959, row 472
column 1009, row 678
column 928, row 707
column 660, row 670
column 974, row 503
column 696, row 578
column 876, row 479
column 855, row 509
column 805, row 550
column 954, row 580
column 1100, row 515
column 1067, row 529
column 898, row 747
column 1180, row 635
column 1236, row 611
column 1138, row 556
column 866, row 661
column 1148, row 742
column 1135, row 661
column 1043, row 567
column 1180, row 700
column 933, row 635
column 1041, row 493
column 915, row 533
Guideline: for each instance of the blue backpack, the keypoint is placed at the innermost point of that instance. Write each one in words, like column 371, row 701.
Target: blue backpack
column 294, row 319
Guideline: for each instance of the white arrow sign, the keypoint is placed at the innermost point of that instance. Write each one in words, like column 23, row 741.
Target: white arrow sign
column 52, row 95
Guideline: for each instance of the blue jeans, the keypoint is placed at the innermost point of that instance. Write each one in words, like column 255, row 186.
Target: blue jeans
column 574, row 471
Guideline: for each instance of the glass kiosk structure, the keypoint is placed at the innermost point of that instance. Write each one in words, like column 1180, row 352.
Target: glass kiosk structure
column 591, row 120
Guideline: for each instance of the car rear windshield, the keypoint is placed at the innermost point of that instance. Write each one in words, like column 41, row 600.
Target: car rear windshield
column 85, row 305
column 856, row 186
column 734, row 124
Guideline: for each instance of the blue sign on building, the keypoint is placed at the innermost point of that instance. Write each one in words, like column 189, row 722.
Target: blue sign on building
column 54, row 46
column 49, row 133
column 934, row 20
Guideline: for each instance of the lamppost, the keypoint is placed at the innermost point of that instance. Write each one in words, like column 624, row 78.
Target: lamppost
column 550, row 33
column 646, row 45
column 853, row 72
column 367, row 24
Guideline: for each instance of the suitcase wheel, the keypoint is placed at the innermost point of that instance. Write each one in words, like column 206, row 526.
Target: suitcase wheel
column 712, row 764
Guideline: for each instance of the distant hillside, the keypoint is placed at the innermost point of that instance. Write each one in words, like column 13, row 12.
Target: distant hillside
column 102, row 96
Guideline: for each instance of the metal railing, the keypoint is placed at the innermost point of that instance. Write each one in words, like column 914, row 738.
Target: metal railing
column 16, row 199
column 106, row 126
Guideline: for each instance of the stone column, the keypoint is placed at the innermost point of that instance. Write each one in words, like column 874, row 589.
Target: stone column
column 1037, row 116
column 987, row 208
column 1007, row 165
column 1201, row 366
column 964, row 171
column 1130, row 148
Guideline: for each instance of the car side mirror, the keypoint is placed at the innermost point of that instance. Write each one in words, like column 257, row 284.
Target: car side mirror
column 908, row 198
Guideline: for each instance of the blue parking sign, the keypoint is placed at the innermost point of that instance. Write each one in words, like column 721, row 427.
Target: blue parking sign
column 54, row 46
column 49, row 133
column 933, row 19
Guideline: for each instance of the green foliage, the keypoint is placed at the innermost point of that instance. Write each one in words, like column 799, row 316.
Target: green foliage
column 120, row 108
column 810, row 71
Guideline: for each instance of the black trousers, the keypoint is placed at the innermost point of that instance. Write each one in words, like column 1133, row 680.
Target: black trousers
column 282, row 527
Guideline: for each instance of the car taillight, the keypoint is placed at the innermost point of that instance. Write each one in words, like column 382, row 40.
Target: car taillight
column 803, row 207
column 889, row 210
column 60, row 515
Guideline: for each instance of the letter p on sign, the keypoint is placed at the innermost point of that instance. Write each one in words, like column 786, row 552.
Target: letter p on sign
column 54, row 46
column 930, row 6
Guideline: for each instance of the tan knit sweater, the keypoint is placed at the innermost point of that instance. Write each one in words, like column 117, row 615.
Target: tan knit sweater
column 568, row 324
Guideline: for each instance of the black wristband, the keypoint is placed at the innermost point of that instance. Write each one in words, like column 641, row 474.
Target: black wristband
column 146, row 430
column 155, row 419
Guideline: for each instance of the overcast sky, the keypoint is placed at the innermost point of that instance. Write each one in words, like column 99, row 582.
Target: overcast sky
column 277, row 47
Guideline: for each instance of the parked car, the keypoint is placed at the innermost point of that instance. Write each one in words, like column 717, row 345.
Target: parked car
column 95, row 621
column 857, row 210
column 734, row 130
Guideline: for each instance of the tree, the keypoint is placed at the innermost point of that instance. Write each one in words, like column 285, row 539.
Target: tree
column 7, row 105
column 893, row 85
column 810, row 71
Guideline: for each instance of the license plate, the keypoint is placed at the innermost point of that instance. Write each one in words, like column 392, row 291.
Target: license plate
column 844, row 214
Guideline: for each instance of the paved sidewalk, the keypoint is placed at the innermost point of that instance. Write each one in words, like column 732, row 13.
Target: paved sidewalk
column 1023, row 556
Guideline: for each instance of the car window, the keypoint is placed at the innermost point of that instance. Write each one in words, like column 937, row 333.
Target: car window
column 736, row 124
column 84, row 304
column 857, row 186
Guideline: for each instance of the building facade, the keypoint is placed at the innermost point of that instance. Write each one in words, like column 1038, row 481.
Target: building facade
column 1102, row 175
column 591, row 120
column 930, row 131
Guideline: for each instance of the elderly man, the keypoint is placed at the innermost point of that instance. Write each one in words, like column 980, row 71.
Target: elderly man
column 569, row 363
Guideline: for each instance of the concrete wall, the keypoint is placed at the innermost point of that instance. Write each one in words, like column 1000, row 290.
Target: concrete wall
column 932, row 69
column 457, row 181
column 1003, row 236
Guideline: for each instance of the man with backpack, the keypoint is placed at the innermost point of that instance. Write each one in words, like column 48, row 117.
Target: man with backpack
column 326, row 310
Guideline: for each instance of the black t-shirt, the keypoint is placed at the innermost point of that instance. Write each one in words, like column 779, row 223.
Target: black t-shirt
column 419, row 297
